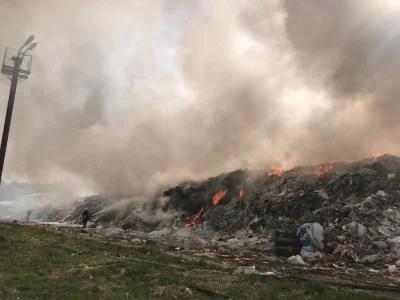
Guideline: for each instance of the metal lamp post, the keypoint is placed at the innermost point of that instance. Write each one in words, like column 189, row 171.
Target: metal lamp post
column 16, row 67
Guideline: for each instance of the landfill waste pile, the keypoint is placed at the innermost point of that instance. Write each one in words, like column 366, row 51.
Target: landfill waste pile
column 339, row 212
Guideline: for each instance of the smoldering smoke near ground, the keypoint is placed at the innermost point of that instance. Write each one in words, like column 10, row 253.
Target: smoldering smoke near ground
column 130, row 96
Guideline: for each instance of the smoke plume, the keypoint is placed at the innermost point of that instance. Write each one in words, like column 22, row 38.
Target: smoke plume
column 128, row 96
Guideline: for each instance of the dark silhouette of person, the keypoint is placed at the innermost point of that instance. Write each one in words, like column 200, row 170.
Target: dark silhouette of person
column 85, row 217
column 28, row 215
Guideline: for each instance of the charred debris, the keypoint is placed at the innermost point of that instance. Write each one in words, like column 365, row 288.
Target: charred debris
column 332, row 193
column 339, row 215
column 273, row 199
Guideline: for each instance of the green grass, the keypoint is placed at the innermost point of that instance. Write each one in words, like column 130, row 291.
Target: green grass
column 77, row 268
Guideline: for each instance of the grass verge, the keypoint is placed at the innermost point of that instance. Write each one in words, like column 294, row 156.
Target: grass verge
column 36, row 263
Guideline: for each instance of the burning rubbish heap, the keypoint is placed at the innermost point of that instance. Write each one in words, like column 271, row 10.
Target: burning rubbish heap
column 234, row 200
column 339, row 211
column 348, row 209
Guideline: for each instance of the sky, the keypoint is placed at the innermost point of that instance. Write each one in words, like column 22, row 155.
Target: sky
column 132, row 96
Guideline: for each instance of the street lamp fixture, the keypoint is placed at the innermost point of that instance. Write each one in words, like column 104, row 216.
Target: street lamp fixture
column 31, row 47
column 16, row 67
column 28, row 41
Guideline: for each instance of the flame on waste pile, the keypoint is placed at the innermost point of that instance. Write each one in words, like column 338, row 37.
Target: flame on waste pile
column 276, row 171
column 196, row 218
column 319, row 170
column 218, row 196
column 323, row 168
column 377, row 155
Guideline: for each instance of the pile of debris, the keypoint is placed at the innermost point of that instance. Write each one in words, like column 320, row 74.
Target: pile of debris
column 339, row 212
column 352, row 206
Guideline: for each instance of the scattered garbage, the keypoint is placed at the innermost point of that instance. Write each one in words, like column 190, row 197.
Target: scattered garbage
column 381, row 193
column 312, row 234
column 342, row 213
column 392, row 269
column 224, row 251
column 136, row 241
column 340, row 249
column 307, row 252
column 296, row 260
column 370, row 259
column 287, row 243
column 317, row 256
column 337, row 185
column 395, row 245
column 189, row 291
column 366, row 171
column 322, row 194
column 251, row 270
column 304, row 237
column 357, row 229
column 381, row 245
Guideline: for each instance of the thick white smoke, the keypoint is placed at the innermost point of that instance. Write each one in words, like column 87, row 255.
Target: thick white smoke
column 128, row 96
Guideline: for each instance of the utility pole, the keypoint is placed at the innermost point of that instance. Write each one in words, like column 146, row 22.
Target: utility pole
column 16, row 68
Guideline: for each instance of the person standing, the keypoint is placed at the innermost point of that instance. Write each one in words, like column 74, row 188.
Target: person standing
column 85, row 217
column 28, row 215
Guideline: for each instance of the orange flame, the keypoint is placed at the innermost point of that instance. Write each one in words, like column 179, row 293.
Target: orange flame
column 322, row 169
column 218, row 196
column 276, row 171
column 376, row 156
column 196, row 218
column 241, row 193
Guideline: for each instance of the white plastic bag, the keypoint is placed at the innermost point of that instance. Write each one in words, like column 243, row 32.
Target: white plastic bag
column 248, row 270
column 392, row 269
column 306, row 252
column 317, row 256
column 315, row 234
column 357, row 229
column 251, row 270
column 296, row 260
